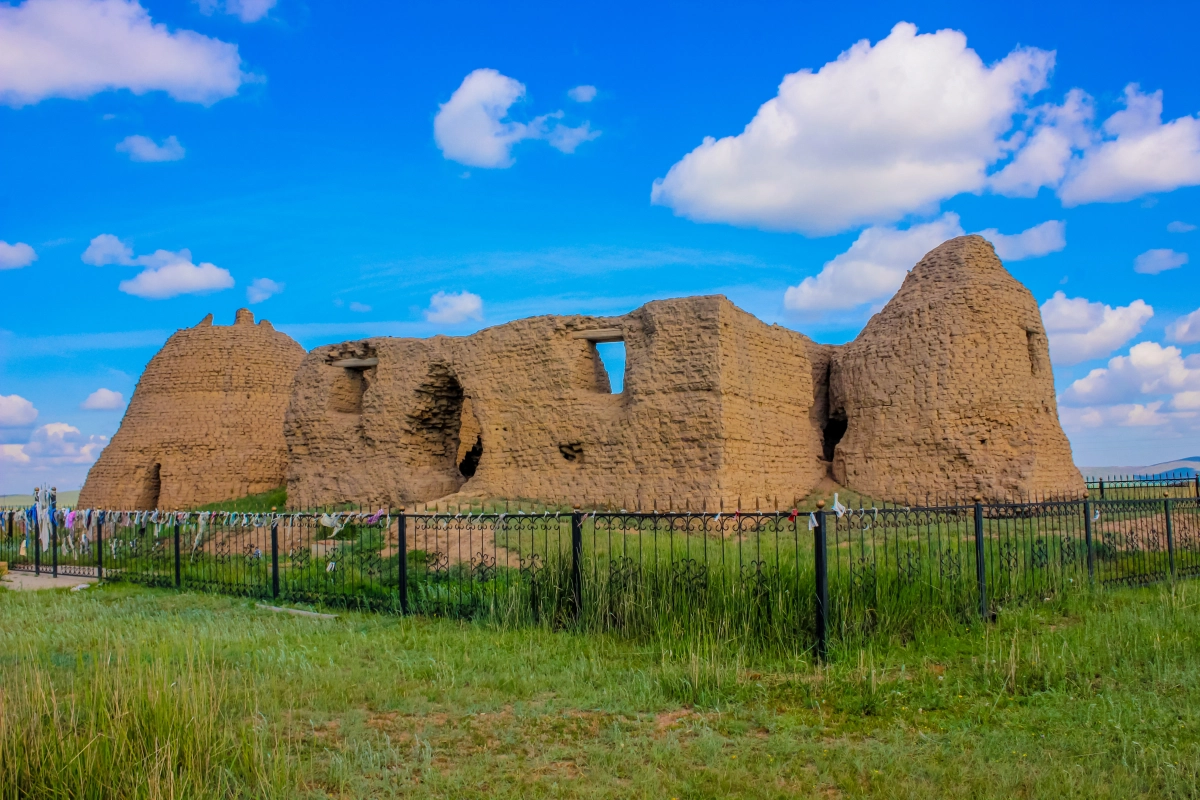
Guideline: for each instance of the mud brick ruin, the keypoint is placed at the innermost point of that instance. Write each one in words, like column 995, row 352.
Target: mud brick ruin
column 947, row 391
column 205, row 422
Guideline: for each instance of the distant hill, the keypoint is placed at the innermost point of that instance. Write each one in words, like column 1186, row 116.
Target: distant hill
column 1188, row 467
column 65, row 499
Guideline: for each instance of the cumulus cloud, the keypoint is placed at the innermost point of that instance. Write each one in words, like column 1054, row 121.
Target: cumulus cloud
column 1153, row 262
column 1080, row 330
column 107, row 249
column 262, row 288
column 143, row 148
column 1180, row 227
column 1046, row 152
column 473, row 127
column 15, row 256
column 454, row 308
column 1048, row 237
column 1149, row 369
column 166, row 274
column 1186, row 329
column 872, row 269
column 245, row 10
column 103, row 400
column 582, row 94
column 16, row 411
column 13, row 454
column 359, row 308
column 54, row 444
column 60, row 443
column 1136, row 155
column 1131, row 154
column 883, row 131
column 1130, row 415
column 169, row 274
column 77, row 48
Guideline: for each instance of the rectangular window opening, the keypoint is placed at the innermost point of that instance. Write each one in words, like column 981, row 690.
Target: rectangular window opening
column 612, row 359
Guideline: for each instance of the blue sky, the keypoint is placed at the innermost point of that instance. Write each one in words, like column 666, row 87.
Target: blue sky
column 413, row 169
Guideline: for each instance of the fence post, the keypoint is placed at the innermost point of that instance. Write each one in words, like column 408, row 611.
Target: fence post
column 1170, row 536
column 821, row 566
column 402, row 535
column 1087, row 537
column 1198, row 484
column 1102, row 488
column 99, row 545
column 274, row 555
column 37, row 541
column 980, row 565
column 577, row 563
column 53, row 540
column 178, row 582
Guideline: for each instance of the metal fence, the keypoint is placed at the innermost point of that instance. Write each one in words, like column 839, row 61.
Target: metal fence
column 786, row 578
column 1179, row 483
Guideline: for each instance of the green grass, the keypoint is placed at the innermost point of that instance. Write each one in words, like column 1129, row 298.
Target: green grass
column 129, row 692
column 252, row 503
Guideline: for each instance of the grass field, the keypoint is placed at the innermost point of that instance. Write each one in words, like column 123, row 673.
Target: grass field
column 129, row 692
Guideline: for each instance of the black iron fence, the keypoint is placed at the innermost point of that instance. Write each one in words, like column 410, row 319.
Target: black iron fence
column 783, row 578
column 1178, row 483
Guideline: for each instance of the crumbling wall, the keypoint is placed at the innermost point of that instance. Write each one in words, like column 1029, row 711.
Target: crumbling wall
column 708, row 413
column 205, row 422
column 948, row 391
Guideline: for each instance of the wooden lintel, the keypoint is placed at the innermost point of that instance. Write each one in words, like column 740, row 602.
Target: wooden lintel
column 601, row 335
column 356, row 363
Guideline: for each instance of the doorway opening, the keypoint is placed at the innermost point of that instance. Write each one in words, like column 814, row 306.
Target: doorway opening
column 151, row 488
column 835, row 429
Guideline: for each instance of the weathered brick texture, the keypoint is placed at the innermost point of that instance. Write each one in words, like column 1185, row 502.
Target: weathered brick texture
column 715, row 408
column 205, row 422
column 948, row 390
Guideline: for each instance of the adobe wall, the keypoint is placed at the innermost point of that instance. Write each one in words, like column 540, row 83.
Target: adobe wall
column 206, row 416
column 715, row 407
column 948, row 390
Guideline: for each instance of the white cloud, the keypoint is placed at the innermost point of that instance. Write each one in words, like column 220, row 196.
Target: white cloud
column 1045, row 154
column 473, row 128
column 60, row 443
column 103, row 400
column 16, row 411
column 1080, row 330
column 872, row 269
column 167, row 273
column 13, row 454
column 582, row 94
column 881, row 132
column 107, row 249
column 1180, row 227
column 170, row 274
column 245, row 10
column 262, row 288
column 1137, row 155
column 1128, row 415
column 143, row 148
column 77, row 48
column 565, row 139
column 1186, row 329
column 1048, row 237
column 1131, row 154
column 1149, row 369
column 361, row 308
column 454, row 308
column 15, row 256
column 1152, row 387
column 1153, row 262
